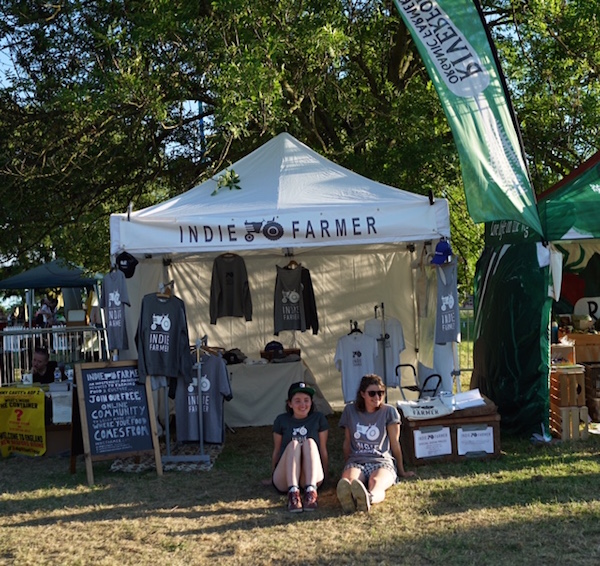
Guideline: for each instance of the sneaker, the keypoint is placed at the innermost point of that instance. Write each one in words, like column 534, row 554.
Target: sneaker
column 344, row 494
column 294, row 502
column 310, row 500
column 362, row 496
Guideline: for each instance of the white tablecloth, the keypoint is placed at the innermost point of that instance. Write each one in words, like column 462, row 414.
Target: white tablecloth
column 260, row 392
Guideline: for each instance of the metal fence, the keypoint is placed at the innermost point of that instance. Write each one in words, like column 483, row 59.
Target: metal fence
column 65, row 344
column 465, row 346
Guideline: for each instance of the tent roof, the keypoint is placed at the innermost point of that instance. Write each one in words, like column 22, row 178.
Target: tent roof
column 569, row 209
column 57, row 273
column 289, row 197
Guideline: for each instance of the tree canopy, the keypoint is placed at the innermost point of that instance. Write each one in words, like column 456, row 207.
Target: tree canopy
column 111, row 102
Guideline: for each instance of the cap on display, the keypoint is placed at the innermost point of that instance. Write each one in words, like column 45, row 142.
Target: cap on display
column 126, row 263
column 443, row 251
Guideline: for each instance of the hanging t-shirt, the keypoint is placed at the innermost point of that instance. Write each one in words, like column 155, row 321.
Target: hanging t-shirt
column 113, row 299
column 162, row 338
column 355, row 357
column 229, row 288
column 447, row 328
column 394, row 345
column 288, row 306
column 215, row 388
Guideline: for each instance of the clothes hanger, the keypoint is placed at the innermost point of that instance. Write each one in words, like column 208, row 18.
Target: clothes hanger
column 293, row 264
column 354, row 329
column 165, row 290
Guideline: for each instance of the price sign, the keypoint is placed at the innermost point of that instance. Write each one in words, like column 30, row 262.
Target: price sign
column 475, row 439
column 432, row 441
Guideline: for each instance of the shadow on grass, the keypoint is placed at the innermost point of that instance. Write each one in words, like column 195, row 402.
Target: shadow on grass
column 230, row 503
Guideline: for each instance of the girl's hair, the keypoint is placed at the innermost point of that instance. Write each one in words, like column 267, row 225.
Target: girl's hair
column 369, row 379
column 290, row 411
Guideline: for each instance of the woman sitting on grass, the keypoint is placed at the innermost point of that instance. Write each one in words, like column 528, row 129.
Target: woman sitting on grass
column 371, row 447
column 300, row 449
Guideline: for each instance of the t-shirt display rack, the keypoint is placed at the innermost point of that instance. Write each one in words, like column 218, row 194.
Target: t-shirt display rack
column 382, row 340
column 201, row 456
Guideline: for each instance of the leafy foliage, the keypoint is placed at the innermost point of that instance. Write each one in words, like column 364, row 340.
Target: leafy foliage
column 108, row 103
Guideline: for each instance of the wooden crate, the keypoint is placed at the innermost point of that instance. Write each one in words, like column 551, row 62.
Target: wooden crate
column 592, row 379
column 567, row 386
column 465, row 434
column 587, row 346
column 593, row 405
column 569, row 423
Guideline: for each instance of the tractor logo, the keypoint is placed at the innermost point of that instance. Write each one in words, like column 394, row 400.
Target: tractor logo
column 114, row 298
column 290, row 296
column 161, row 320
column 447, row 302
column 370, row 431
column 271, row 230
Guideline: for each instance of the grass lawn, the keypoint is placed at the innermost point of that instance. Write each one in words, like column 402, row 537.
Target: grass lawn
column 535, row 505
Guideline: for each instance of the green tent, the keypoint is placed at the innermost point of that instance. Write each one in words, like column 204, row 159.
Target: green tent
column 512, row 305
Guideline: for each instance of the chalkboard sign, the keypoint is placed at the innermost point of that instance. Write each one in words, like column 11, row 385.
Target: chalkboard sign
column 116, row 418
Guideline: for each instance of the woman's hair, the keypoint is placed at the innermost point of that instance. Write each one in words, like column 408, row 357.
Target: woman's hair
column 290, row 411
column 369, row 379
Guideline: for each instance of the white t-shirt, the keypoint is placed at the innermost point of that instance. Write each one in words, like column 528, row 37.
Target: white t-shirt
column 394, row 346
column 355, row 357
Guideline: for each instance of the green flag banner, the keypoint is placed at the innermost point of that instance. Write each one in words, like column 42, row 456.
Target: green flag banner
column 452, row 40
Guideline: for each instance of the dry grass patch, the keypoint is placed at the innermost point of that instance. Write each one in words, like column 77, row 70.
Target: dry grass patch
column 534, row 505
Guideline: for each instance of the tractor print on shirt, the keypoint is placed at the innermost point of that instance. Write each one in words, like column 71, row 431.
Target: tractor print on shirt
column 371, row 432
column 447, row 301
column 161, row 320
column 114, row 299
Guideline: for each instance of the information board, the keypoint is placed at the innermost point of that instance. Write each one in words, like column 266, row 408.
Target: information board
column 432, row 441
column 475, row 439
column 116, row 418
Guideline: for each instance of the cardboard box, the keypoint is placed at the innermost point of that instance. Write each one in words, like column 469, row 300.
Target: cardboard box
column 58, row 439
column 567, row 386
column 76, row 317
column 472, row 433
column 562, row 355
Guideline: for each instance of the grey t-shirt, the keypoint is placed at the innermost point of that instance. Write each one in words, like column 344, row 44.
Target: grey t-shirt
column 299, row 429
column 113, row 299
column 162, row 339
column 216, row 388
column 369, row 442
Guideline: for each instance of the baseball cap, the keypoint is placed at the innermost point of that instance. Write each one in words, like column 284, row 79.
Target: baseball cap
column 126, row 263
column 443, row 251
column 300, row 387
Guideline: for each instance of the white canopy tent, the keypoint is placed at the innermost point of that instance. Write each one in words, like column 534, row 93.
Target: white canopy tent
column 364, row 243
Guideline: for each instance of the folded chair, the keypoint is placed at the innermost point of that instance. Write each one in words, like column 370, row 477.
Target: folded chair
column 430, row 386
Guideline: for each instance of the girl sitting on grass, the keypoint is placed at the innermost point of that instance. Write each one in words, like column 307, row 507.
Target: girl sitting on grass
column 300, row 449
column 371, row 447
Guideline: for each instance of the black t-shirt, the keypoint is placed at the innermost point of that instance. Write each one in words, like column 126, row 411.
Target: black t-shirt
column 48, row 375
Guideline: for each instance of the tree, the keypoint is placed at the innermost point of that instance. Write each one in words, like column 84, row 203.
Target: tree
column 118, row 102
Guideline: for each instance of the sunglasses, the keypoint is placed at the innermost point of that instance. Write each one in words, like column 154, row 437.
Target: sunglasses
column 379, row 394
